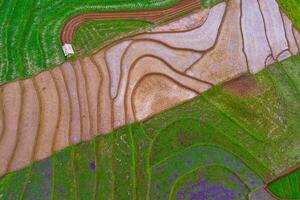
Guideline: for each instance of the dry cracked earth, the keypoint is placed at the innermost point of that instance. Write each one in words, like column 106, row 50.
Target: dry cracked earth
column 136, row 78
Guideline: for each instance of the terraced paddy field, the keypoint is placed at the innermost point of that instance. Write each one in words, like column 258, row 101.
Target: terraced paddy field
column 138, row 77
column 178, row 153
column 30, row 31
column 238, row 140
column 94, row 35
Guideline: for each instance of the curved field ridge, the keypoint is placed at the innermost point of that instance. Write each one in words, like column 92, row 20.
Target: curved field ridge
column 30, row 31
column 287, row 185
column 209, row 147
column 95, row 35
column 139, row 77
column 210, row 182
column 154, row 16
column 187, row 161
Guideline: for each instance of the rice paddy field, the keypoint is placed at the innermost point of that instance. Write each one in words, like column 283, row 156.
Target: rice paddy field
column 96, row 34
column 217, row 143
column 30, row 31
column 200, row 146
column 287, row 187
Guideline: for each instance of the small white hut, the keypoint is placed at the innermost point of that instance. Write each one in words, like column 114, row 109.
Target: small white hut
column 68, row 50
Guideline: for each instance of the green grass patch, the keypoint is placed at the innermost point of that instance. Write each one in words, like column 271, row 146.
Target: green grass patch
column 96, row 34
column 39, row 185
column 292, row 9
column 104, row 168
column 287, row 187
column 85, row 170
column 209, row 3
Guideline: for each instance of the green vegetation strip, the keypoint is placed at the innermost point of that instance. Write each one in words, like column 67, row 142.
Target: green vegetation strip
column 209, row 3
column 287, row 187
column 255, row 137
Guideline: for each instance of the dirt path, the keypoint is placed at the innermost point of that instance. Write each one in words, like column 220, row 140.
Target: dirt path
column 155, row 16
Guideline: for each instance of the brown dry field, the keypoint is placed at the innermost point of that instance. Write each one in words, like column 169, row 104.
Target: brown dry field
column 241, row 86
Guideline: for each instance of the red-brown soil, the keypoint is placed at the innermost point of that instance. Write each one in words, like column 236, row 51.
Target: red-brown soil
column 155, row 16
column 242, row 86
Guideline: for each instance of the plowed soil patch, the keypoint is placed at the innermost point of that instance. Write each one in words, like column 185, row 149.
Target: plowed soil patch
column 242, row 86
column 155, row 16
